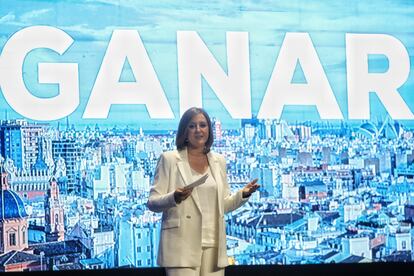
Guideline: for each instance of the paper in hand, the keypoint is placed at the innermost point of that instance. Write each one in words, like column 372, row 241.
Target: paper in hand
column 196, row 183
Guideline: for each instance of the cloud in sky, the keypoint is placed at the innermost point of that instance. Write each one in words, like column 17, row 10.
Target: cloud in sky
column 31, row 15
column 10, row 17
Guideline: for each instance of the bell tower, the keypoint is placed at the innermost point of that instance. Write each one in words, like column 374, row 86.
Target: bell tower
column 54, row 216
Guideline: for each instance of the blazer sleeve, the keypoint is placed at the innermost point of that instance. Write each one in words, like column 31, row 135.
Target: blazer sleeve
column 160, row 199
column 231, row 201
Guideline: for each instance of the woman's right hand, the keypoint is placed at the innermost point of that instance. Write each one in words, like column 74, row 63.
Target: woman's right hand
column 181, row 194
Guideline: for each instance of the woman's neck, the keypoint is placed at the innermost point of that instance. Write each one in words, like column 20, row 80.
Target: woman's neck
column 195, row 151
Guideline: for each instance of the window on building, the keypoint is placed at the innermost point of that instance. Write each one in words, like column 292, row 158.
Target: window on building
column 23, row 236
column 404, row 245
column 139, row 263
column 139, row 249
column 12, row 239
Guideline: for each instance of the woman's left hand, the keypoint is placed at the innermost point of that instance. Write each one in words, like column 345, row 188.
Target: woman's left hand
column 250, row 188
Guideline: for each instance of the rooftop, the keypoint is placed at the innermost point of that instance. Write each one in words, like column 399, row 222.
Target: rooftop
column 58, row 248
column 17, row 257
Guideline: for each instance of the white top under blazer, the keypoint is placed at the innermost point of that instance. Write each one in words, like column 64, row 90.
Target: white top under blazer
column 207, row 194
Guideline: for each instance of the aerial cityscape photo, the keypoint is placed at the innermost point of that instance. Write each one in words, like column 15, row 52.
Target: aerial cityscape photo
column 313, row 99
column 331, row 193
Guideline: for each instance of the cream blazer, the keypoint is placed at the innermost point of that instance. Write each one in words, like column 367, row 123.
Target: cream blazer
column 180, row 240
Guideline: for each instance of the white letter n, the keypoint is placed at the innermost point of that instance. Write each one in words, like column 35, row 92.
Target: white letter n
column 195, row 60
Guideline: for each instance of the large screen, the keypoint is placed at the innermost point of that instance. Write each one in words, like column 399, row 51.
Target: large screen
column 313, row 98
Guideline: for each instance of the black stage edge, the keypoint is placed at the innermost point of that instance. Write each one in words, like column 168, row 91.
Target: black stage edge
column 365, row 269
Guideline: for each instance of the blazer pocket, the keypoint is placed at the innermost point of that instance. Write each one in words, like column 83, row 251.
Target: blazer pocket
column 170, row 223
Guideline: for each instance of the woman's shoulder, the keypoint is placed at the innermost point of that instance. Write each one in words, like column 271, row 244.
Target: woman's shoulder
column 170, row 155
column 217, row 156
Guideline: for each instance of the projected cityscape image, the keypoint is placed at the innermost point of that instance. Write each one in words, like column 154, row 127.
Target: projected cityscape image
column 330, row 193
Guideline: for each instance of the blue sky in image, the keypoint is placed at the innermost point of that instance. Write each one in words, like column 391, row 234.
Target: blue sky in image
column 91, row 23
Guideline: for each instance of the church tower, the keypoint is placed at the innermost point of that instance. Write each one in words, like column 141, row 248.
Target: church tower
column 54, row 216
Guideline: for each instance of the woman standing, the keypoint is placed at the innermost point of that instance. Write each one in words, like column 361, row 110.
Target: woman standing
column 193, row 232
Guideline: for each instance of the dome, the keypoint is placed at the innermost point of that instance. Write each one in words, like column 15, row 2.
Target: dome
column 398, row 128
column 390, row 132
column 369, row 127
column 12, row 205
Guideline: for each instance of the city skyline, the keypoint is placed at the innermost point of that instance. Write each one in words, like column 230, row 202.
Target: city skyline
column 237, row 124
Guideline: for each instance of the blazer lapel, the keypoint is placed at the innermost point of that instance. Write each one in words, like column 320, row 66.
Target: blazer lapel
column 185, row 171
column 215, row 170
column 183, row 166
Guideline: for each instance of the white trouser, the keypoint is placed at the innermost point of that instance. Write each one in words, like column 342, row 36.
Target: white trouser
column 208, row 266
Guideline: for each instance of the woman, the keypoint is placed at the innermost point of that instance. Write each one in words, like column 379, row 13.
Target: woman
column 193, row 237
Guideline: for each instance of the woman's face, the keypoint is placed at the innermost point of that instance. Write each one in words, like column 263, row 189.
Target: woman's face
column 198, row 131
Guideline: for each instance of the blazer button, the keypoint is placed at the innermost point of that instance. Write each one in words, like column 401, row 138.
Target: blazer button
column 188, row 217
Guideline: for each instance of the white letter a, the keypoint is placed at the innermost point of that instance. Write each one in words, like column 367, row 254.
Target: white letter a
column 108, row 90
